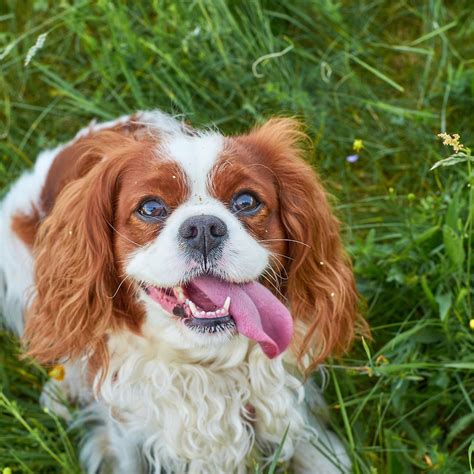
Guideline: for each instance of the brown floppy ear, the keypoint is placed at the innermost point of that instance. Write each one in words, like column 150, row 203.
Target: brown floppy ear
column 76, row 301
column 320, row 288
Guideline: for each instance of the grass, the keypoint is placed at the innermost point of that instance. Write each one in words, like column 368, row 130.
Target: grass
column 393, row 74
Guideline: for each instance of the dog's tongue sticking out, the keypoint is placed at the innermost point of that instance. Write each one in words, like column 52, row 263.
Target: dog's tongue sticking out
column 258, row 314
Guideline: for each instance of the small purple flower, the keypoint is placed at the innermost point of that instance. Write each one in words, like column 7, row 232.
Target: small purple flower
column 352, row 158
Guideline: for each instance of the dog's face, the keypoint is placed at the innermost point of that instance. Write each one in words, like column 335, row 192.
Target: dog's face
column 209, row 236
column 208, row 206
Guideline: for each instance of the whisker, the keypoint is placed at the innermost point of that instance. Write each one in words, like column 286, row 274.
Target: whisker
column 236, row 213
column 270, row 272
column 118, row 288
column 282, row 255
column 273, row 285
column 124, row 236
column 281, row 267
column 276, row 277
column 280, row 276
column 285, row 240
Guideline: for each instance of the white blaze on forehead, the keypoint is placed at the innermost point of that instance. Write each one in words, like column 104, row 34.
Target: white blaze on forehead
column 197, row 155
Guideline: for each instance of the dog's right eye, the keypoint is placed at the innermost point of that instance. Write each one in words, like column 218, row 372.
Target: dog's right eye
column 245, row 203
column 152, row 210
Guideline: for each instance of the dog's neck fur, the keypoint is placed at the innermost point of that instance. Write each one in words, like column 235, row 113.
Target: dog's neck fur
column 202, row 415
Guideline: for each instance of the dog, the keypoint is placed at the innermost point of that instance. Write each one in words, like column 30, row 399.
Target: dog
column 188, row 282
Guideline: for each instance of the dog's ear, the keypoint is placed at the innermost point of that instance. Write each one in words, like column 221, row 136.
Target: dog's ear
column 320, row 287
column 78, row 298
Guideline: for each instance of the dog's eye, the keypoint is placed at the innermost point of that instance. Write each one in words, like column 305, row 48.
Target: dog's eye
column 245, row 203
column 152, row 210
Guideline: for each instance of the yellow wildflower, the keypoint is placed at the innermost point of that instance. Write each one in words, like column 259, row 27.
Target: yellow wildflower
column 7, row 470
column 451, row 140
column 471, row 324
column 57, row 372
column 427, row 460
column 357, row 145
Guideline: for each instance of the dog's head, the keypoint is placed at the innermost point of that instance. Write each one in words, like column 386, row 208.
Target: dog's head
column 209, row 236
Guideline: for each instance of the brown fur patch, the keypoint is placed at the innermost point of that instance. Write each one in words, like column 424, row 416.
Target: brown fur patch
column 25, row 226
column 67, row 166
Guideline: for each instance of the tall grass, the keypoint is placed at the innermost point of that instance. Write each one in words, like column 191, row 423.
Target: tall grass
column 393, row 74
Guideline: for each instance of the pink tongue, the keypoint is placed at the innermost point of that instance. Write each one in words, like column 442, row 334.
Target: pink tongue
column 259, row 315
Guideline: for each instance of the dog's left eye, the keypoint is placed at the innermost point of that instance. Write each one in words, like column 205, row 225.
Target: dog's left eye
column 245, row 203
column 152, row 210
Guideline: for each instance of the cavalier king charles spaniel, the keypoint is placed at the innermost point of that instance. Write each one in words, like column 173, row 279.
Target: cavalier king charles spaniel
column 188, row 282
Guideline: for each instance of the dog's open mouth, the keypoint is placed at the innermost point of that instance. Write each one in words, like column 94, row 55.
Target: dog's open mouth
column 196, row 311
column 212, row 305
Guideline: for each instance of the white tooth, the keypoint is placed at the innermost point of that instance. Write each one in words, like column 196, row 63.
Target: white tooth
column 211, row 314
column 220, row 311
column 192, row 307
column 179, row 294
column 202, row 314
column 226, row 305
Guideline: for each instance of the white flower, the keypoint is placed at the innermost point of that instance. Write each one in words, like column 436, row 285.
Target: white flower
column 35, row 48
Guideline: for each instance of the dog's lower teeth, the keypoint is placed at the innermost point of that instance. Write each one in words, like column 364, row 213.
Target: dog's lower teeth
column 193, row 308
column 199, row 313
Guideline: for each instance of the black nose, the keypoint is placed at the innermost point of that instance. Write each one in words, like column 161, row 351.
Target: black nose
column 203, row 233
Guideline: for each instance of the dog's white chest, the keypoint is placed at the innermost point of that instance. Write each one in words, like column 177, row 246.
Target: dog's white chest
column 207, row 415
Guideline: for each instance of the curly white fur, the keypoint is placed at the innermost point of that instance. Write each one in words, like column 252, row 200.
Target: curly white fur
column 212, row 410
